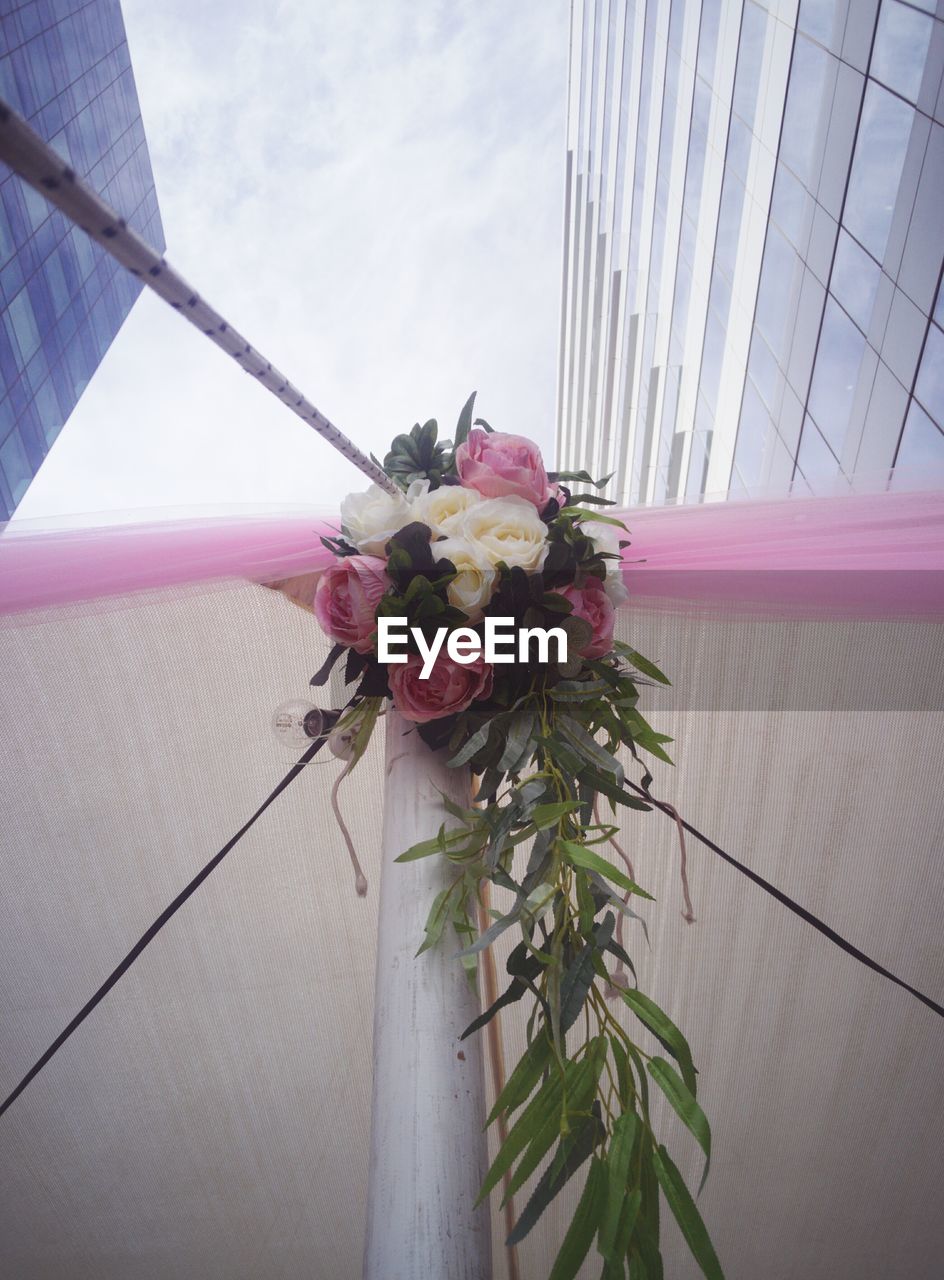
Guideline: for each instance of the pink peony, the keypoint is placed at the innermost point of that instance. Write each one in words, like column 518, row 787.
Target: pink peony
column 499, row 466
column 346, row 600
column 451, row 687
column 591, row 603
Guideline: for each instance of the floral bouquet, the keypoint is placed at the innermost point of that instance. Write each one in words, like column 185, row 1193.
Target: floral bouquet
column 480, row 531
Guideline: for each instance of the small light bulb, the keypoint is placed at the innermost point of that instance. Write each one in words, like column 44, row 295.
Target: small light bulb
column 296, row 722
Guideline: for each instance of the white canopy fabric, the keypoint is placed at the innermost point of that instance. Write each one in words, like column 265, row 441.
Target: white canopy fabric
column 210, row 1119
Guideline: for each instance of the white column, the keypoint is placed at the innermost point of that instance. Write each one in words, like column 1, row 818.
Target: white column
column 428, row 1154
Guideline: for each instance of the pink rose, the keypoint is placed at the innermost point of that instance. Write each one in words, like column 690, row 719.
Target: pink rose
column 499, row 465
column 451, row 686
column 591, row 603
column 346, row 600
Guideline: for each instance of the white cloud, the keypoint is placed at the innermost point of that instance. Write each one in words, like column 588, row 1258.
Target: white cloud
column 373, row 195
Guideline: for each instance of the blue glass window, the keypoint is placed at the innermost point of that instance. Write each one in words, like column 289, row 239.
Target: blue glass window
column 729, row 224
column 708, row 38
column 753, row 429
column 920, row 457
column 804, row 109
column 854, row 280
column 764, row 370
column 901, row 48
column 818, row 19
column 19, row 317
column 749, row 62
column 790, row 204
column 929, row 387
column 814, row 458
column 884, row 133
column 16, row 468
column 776, row 288
column 835, row 374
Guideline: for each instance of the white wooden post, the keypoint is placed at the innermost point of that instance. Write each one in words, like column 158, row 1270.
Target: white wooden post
column 428, row 1153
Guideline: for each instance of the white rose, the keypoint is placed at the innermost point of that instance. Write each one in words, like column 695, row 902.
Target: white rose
column 606, row 537
column 507, row 529
column 475, row 581
column 371, row 519
column 442, row 508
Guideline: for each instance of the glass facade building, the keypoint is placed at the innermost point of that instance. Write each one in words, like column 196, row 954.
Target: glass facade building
column 64, row 65
column 754, row 235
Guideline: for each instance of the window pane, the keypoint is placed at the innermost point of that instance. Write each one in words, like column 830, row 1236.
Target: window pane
column 15, row 464
column 791, row 203
column 884, row 132
column 753, row 429
column 929, row 387
column 818, row 19
column 854, row 280
column 775, row 294
column 814, row 458
column 920, row 457
column 835, row 374
column 901, row 47
column 749, row 62
column 803, row 110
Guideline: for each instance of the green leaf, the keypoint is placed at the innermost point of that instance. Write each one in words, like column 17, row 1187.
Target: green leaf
column 522, row 1080
column 583, row 1228
column 590, row 748
column 624, row 1076
column 440, row 843
column 643, row 664
column 665, row 1031
column 686, row 1215
column 490, row 934
column 672, row 1085
column 596, row 516
column 578, row 979
column 583, row 476
column 576, row 1076
column 547, row 815
column 474, row 745
column 529, row 1125
column 577, row 690
column 581, row 856
column 436, row 920
column 464, row 424
column 579, row 499
column 517, row 737
column 570, row 1155
column 617, row 1184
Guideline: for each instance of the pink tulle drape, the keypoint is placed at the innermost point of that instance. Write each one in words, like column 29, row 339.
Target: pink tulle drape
column 877, row 555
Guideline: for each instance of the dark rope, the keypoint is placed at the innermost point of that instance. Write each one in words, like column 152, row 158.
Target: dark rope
column 159, row 923
column 293, row 773
column 788, row 902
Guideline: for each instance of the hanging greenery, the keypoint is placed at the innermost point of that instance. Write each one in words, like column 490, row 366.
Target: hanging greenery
column 480, row 531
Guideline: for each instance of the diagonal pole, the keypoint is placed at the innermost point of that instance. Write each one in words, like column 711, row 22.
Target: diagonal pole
column 37, row 163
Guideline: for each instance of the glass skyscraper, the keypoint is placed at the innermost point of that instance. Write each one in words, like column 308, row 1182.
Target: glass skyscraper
column 754, row 234
column 64, row 65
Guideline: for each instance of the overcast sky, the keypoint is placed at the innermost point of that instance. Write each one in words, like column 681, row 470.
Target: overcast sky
column 373, row 195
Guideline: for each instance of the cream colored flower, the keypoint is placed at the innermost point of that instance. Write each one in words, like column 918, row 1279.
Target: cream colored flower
column 506, row 529
column 475, row 580
column 442, row 508
column 371, row 519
